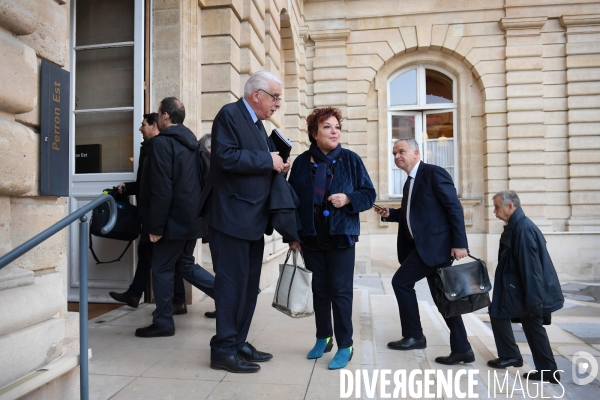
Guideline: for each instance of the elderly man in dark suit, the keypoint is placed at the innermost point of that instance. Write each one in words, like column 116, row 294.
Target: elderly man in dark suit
column 235, row 206
column 430, row 233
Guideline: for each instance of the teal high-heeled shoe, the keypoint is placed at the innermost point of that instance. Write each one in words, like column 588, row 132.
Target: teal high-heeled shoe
column 342, row 358
column 322, row 346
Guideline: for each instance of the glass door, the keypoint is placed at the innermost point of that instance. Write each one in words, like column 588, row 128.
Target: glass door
column 107, row 58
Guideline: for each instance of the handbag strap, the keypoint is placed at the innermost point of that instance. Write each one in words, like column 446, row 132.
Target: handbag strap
column 287, row 257
column 106, row 262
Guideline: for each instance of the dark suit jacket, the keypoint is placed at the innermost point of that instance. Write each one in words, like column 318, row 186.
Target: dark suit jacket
column 235, row 200
column 436, row 217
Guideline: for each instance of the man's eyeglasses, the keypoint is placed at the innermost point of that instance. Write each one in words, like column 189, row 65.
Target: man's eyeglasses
column 275, row 99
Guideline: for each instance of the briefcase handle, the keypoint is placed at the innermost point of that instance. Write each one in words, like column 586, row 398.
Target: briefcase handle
column 452, row 259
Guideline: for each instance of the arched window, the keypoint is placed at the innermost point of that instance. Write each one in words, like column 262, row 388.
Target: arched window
column 422, row 105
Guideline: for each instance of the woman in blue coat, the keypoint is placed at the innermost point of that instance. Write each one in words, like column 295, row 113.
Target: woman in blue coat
column 334, row 187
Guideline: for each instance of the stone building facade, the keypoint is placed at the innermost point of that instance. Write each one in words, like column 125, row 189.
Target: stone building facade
column 504, row 93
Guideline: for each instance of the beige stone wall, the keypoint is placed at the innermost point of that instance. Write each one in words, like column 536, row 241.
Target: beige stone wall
column 35, row 328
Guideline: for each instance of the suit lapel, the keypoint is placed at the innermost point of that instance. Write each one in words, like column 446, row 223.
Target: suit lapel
column 418, row 179
column 252, row 126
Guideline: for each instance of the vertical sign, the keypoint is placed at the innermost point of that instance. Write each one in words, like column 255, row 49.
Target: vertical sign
column 54, row 131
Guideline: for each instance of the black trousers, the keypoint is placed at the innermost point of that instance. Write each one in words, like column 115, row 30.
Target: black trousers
column 412, row 270
column 239, row 264
column 172, row 256
column 142, row 273
column 332, row 281
column 537, row 338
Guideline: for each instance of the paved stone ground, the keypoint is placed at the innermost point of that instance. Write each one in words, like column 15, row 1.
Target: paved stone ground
column 126, row 367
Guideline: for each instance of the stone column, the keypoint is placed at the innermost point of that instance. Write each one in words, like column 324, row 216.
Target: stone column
column 557, row 208
column 525, row 117
column 583, row 90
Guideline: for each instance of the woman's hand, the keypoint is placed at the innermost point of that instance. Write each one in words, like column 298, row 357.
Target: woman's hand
column 339, row 200
column 294, row 245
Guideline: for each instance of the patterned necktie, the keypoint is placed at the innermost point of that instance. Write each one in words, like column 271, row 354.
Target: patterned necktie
column 261, row 128
column 405, row 191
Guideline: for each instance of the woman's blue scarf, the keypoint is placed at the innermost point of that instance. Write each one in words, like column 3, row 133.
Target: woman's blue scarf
column 323, row 175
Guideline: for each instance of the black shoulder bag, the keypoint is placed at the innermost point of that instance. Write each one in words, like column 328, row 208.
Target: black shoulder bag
column 462, row 289
column 127, row 227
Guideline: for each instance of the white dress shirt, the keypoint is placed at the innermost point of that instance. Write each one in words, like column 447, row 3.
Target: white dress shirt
column 413, row 175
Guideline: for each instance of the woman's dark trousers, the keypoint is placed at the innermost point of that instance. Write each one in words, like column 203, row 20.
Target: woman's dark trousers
column 333, row 276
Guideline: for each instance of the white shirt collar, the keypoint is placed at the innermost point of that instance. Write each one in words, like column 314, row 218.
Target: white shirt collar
column 413, row 172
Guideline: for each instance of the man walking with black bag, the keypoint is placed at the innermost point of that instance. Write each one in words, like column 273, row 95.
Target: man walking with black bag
column 431, row 232
column 526, row 287
column 174, row 222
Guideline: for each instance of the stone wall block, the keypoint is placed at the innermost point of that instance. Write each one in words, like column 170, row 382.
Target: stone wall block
column 587, row 47
column 524, row 63
column 584, row 142
column 583, row 88
column 48, row 40
column 365, row 61
column 555, row 90
column 253, row 15
column 321, row 87
column 524, row 77
column 359, row 87
column 330, row 62
column 438, row 36
column 220, row 50
column 492, row 80
column 533, row 90
column 592, row 170
column 526, row 144
column 525, row 117
column 583, row 184
column 495, row 106
column 584, row 156
column 554, row 64
column 212, row 103
column 340, row 73
column 526, row 171
column 575, row 102
column 409, row 37
column 34, row 214
column 332, row 99
column 583, row 61
column 249, row 64
column 494, row 93
column 495, row 146
column 43, row 302
column 522, row 158
column 526, row 130
column 375, row 35
column 495, row 160
column 583, row 75
column 19, row 16
column 424, row 36
column 30, row 348
column 382, row 49
column 583, row 129
column 273, row 52
column 236, row 6
column 219, row 78
column 554, row 50
column 18, row 147
column 555, row 104
column 525, row 104
column 588, row 115
column 18, row 78
column 249, row 39
column 555, row 118
column 219, row 22
column 524, row 51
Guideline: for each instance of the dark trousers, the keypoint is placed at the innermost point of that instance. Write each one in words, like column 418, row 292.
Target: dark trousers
column 412, row 270
column 239, row 264
column 170, row 256
column 332, row 280
column 536, row 338
column 142, row 273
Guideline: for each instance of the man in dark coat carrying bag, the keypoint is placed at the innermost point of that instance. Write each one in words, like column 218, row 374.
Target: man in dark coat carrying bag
column 526, row 287
column 174, row 222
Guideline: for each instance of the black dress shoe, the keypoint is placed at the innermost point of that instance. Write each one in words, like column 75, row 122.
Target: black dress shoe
column 179, row 309
column 549, row 376
column 455, row 358
column 211, row 314
column 249, row 353
column 503, row 362
column 235, row 364
column 154, row 331
column 408, row 344
column 126, row 298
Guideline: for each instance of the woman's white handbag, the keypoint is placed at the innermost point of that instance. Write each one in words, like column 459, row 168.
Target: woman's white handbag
column 293, row 295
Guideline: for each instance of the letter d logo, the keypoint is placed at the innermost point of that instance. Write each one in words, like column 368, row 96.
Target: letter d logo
column 584, row 364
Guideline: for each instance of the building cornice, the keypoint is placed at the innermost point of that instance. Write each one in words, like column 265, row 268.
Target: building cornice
column 522, row 23
column 330, row 34
column 579, row 20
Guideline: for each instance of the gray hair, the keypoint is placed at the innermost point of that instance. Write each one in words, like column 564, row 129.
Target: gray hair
column 205, row 140
column 507, row 197
column 412, row 143
column 260, row 80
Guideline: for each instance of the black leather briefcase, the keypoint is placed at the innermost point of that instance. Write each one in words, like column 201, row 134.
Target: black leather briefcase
column 462, row 289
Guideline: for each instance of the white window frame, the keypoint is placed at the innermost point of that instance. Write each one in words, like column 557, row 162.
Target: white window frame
column 420, row 112
column 138, row 94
